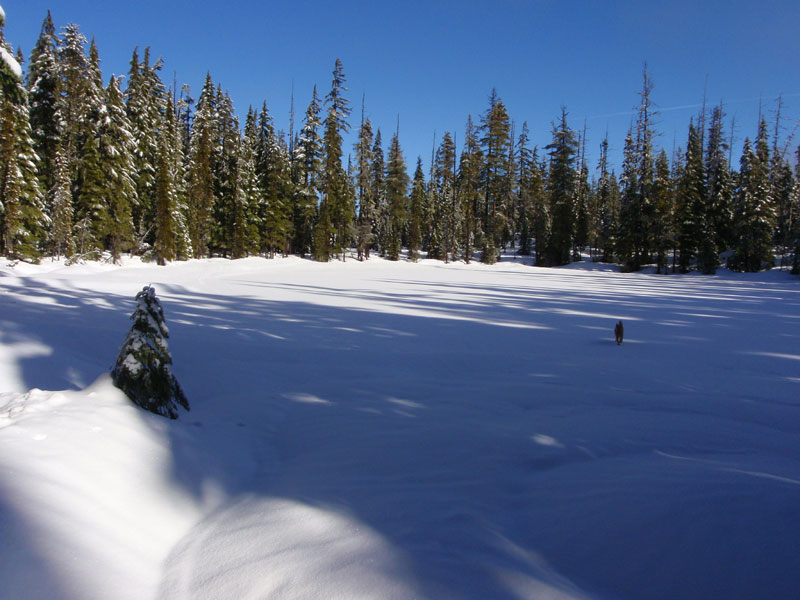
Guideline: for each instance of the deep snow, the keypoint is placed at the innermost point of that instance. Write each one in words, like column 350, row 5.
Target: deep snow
column 396, row 430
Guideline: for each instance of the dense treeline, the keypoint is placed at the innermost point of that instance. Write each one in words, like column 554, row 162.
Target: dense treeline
column 88, row 168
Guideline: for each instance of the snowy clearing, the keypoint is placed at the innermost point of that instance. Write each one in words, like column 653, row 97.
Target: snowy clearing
column 396, row 430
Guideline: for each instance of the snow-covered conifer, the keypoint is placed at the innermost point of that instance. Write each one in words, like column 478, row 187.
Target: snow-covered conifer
column 396, row 190
column 61, row 242
column 200, row 171
column 44, row 84
column 22, row 219
column 143, row 369
column 307, row 153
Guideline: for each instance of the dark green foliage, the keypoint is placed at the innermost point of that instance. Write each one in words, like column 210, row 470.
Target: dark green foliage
column 561, row 192
column 496, row 142
column 365, row 194
column 146, row 107
column 337, row 207
column 396, row 190
column 469, row 195
column 273, row 171
column 307, row 161
column 61, row 242
column 719, row 184
column 416, row 212
column 607, row 205
column 143, row 368
column 692, row 224
column 22, row 220
column 663, row 230
column 44, row 85
column 200, row 172
column 449, row 210
column 754, row 213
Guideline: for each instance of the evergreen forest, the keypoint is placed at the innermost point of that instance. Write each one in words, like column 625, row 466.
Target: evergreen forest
column 91, row 168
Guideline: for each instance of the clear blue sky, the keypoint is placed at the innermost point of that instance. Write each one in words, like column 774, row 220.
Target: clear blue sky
column 434, row 62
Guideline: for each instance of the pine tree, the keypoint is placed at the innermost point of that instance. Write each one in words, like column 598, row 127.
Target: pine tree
column 22, row 218
column 89, row 177
column 143, row 368
column 496, row 141
column 692, row 224
column 200, row 172
column 337, row 208
column 469, row 185
column 167, row 227
column 44, row 88
column 61, row 209
column 794, row 217
column 272, row 167
column 583, row 224
column 637, row 212
column 377, row 188
column 396, row 190
column 307, row 161
column 525, row 174
column 445, row 173
column 719, row 186
column 249, row 195
column 75, row 81
column 145, row 99
column 754, row 216
column 664, row 208
column 225, row 173
column 416, row 212
column 561, row 192
column 365, row 197
column 607, row 195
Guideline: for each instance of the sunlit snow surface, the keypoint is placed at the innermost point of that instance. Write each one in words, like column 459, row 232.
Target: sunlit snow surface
column 396, row 430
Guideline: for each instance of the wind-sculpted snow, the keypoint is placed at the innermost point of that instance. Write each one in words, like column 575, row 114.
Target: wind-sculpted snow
column 396, row 430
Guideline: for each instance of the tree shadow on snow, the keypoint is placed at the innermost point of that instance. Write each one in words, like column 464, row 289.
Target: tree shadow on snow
column 421, row 418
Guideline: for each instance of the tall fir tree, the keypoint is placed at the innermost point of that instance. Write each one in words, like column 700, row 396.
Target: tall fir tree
column 167, row 226
column 396, row 197
column 794, row 218
column 561, row 192
column 226, row 151
column 44, row 88
column 754, row 215
column 525, row 174
column 692, row 223
column 73, row 100
column 470, row 195
column 365, row 196
column 607, row 204
column 61, row 242
column 663, row 195
column 200, row 171
column 495, row 141
column 307, row 162
column 450, row 213
column 337, row 207
column 272, row 166
column 22, row 219
column 416, row 212
column 719, row 184
column 145, row 101
column 377, row 188
column 249, row 195
column 88, row 178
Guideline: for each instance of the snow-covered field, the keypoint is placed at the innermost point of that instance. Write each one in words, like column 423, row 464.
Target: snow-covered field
column 395, row 430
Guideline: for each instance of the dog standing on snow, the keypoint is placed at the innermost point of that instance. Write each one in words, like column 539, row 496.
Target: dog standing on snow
column 619, row 331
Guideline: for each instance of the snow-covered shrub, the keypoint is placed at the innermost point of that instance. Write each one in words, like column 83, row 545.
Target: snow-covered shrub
column 143, row 366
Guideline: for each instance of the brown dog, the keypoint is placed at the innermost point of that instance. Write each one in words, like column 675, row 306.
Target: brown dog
column 619, row 332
